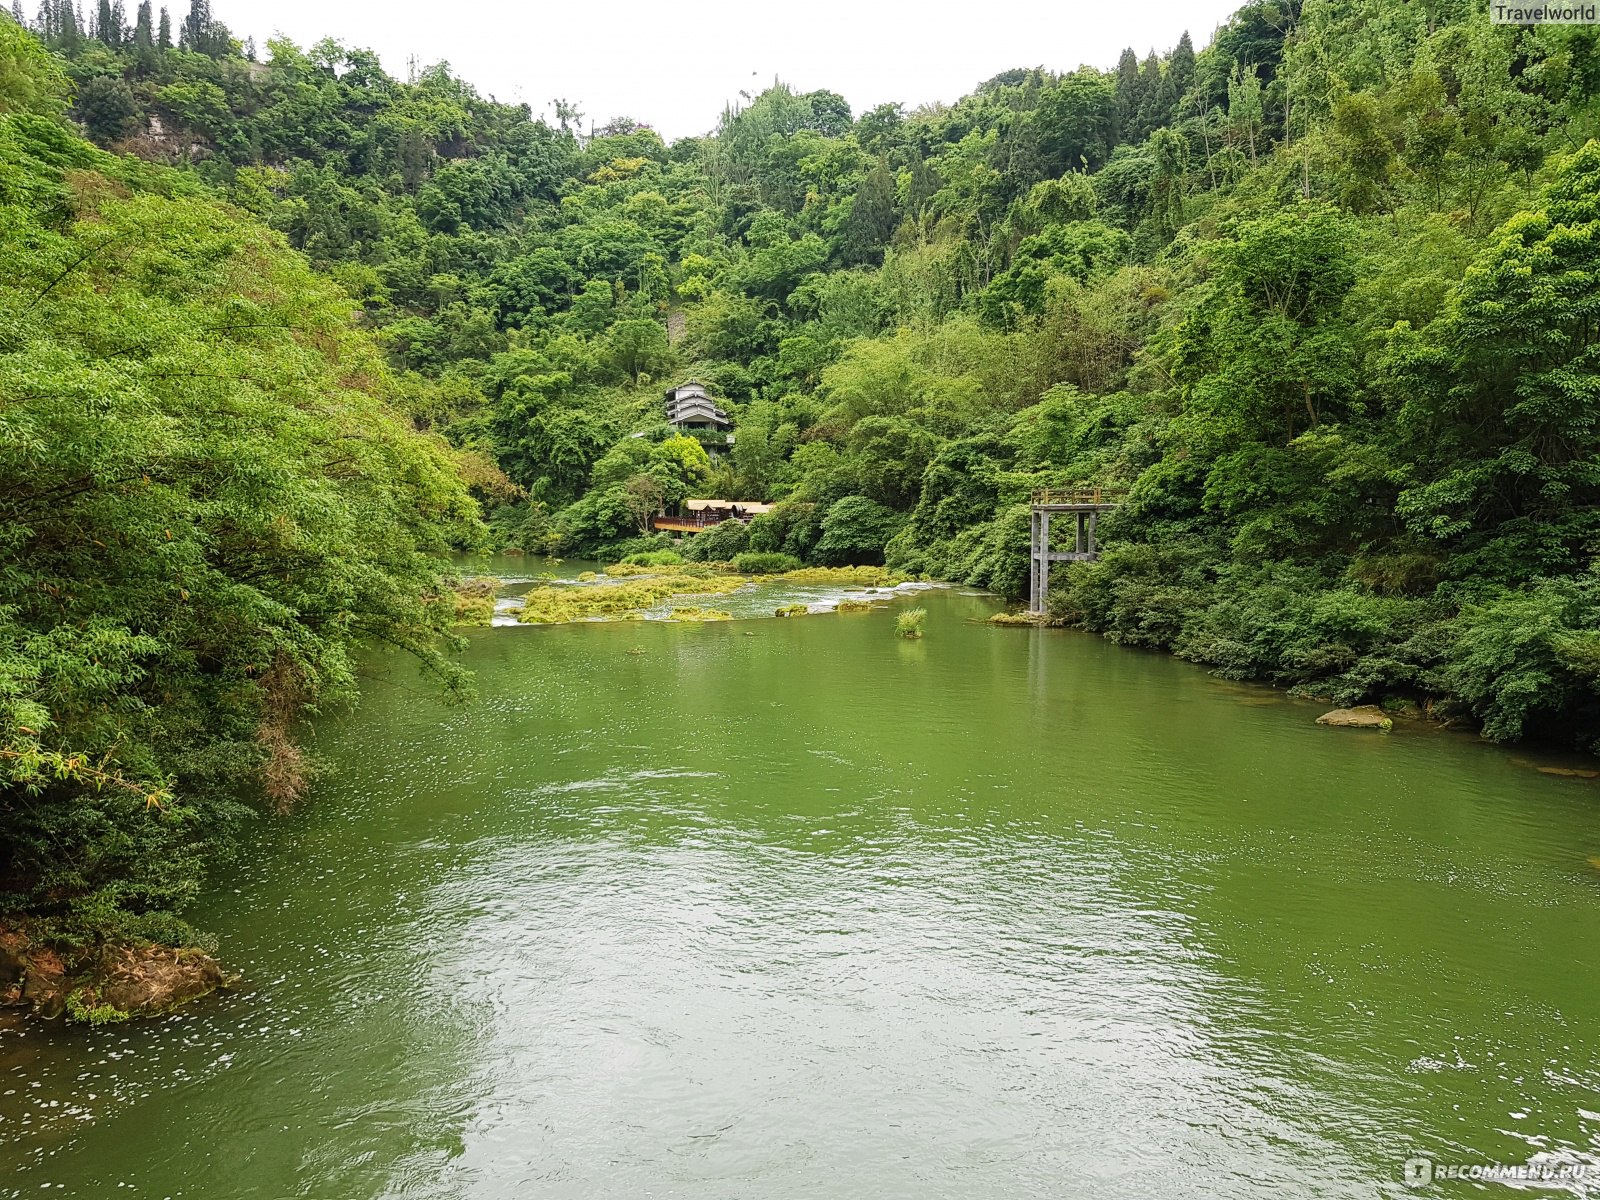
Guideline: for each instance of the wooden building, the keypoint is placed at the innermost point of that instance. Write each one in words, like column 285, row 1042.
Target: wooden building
column 703, row 514
column 689, row 408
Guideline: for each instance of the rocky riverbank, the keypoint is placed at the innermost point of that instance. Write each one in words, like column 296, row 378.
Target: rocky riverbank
column 112, row 982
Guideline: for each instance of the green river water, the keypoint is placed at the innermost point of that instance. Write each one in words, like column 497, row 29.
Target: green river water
column 792, row 908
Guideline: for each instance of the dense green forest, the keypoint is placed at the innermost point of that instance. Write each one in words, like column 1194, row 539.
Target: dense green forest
column 1323, row 296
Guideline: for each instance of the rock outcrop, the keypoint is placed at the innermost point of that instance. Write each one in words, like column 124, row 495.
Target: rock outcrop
column 118, row 981
column 1365, row 716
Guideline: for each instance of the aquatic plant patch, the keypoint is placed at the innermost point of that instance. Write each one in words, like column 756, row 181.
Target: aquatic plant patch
column 618, row 601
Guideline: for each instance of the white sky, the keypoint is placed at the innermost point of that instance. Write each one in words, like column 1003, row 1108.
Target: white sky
column 674, row 65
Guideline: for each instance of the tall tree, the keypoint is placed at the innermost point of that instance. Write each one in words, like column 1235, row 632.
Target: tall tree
column 194, row 33
column 924, row 183
column 69, row 26
column 143, row 35
column 1180, row 67
column 1245, row 113
column 164, row 36
column 872, row 218
column 1157, row 105
column 1129, row 96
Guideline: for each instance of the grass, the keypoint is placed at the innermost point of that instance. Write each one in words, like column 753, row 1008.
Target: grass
column 474, row 600
column 82, row 1009
column 656, row 558
column 909, row 623
column 695, row 613
column 861, row 576
column 760, row 562
column 1014, row 618
column 618, row 601
column 792, row 610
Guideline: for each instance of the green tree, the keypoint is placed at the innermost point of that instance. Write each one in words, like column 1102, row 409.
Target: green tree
column 830, row 113
column 107, row 108
column 31, row 78
column 1501, row 392
column 638, row 346
column 1269, row 352
column 873, row 217
column 206, row 507
column 1180, row 67
column 855, row 530
column 1130, row 94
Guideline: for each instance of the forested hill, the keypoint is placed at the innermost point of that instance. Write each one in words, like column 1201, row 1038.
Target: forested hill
column 1320, row 292
column 1323, row 295
column 208, row 501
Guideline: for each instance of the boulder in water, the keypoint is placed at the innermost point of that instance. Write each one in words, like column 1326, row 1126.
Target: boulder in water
column 1364, row 716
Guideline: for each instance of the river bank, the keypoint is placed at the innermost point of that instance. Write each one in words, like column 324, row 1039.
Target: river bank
column 100, row 984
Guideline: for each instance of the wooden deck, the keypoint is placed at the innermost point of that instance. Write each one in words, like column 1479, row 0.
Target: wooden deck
column 692, row 522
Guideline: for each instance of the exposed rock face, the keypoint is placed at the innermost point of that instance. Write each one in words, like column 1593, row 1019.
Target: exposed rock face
column 13, row 964
column 1365, row 716
column 126, row 980
column 151, row 980
column 44, row 984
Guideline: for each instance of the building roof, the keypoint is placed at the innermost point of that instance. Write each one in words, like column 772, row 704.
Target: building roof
column 749, row 506
column 688, row 402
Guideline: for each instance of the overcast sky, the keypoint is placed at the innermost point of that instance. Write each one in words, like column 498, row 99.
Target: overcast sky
column 674, row 65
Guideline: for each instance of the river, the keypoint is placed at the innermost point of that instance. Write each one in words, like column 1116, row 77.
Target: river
column 795, row 908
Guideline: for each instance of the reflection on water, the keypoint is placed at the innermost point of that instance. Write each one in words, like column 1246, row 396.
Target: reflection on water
column 820, row 912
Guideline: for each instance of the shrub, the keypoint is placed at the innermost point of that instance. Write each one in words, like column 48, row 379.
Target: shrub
column 909, row 623
column 1526, row 662
column 757, row 562
column 644, row 560
column 856, row 530
column 720, row 543
column 655, row 558
column 792, row 527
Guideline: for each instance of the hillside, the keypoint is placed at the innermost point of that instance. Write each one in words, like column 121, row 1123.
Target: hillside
column 207, row 503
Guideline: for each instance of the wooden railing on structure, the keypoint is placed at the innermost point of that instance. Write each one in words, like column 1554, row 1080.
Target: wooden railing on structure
column 1080, row 495
column 692, row 522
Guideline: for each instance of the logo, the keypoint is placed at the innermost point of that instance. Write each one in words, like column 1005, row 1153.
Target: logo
column 1418, row 1172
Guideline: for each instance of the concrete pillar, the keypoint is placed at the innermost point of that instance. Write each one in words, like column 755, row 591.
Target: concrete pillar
column 1044, row 561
